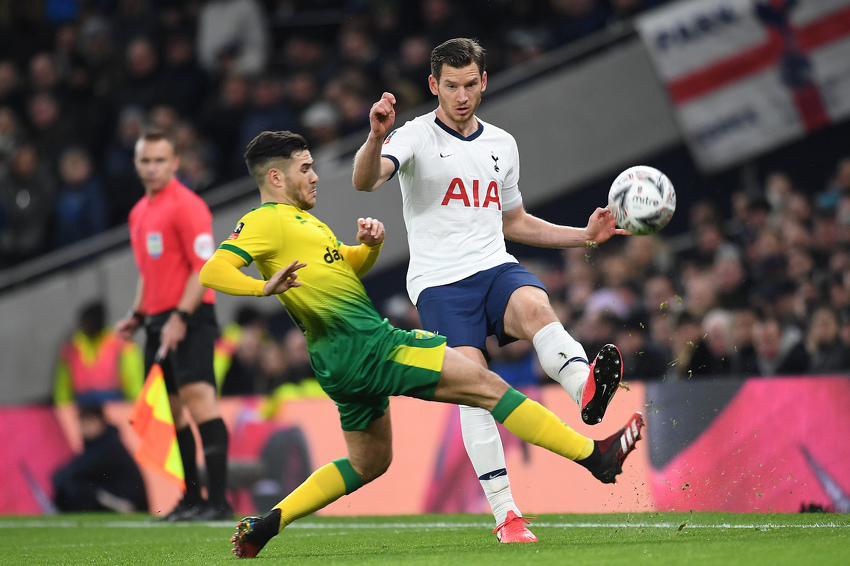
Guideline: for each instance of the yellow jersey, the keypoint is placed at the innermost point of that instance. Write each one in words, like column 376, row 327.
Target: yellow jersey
column 331, row 299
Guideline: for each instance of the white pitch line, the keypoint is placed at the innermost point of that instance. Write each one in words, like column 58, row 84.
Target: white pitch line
column 34, row 523
column 555, row 525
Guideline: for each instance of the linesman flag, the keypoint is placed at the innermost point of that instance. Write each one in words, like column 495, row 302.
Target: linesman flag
column 152, row 421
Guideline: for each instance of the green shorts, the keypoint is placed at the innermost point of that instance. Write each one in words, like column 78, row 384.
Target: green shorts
column 361, row 370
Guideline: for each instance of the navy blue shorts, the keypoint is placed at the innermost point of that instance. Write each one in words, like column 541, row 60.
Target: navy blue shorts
column 468, row 311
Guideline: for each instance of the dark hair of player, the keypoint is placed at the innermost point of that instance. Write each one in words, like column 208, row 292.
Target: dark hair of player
column 269, row 147
column 457, row 53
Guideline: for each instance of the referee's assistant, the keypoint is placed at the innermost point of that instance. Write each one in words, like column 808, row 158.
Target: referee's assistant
column 171, row 236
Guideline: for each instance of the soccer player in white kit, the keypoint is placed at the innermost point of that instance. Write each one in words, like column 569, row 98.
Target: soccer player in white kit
column 459, row 180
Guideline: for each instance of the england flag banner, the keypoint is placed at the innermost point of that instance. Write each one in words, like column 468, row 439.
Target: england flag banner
column 746, row 76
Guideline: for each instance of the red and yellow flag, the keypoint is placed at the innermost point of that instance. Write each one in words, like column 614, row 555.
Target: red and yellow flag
column 152, row 421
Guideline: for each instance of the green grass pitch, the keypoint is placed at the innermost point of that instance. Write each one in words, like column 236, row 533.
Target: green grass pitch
column 655, row 539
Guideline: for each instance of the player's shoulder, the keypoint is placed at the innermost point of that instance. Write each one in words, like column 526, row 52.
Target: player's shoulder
column 266, row 212
column 420, row 124
column 276, row 213
column 415, row 133
column 266, row 209
column 256, row 225
column 491, row 129
column 425, row 120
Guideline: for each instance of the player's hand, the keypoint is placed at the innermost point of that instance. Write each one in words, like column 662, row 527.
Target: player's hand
column 284, row 279
column 601, row 226
column 382, row 115
column 370, row 231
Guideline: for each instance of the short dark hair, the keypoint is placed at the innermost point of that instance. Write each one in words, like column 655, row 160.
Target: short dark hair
column 457, row 53
column 271, row 146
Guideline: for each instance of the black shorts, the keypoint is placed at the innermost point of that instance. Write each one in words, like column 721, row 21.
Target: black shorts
column 193, row 360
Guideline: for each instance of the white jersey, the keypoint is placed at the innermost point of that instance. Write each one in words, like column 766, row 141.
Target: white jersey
column 454, row 191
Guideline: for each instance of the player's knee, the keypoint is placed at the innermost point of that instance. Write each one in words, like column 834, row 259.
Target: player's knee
column 373, row 467
column 542, row 313
column 489, row 389
column 384, row 465
column 528, row 314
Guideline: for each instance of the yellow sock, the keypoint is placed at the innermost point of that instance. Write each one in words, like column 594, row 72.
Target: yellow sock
column 323, row 487
column 534, row 423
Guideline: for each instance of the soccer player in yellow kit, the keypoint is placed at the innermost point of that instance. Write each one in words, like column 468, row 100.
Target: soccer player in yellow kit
column 360, row 360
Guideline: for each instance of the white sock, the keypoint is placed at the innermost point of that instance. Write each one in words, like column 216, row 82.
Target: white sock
column 562, row 358
column 484, row 447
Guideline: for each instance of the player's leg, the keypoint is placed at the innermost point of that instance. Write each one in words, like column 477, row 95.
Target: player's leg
column 483, row 445
column 462, row 381
column 370, row 453
column 369, row 456
column 195, row 378
column 457, row 312
column 528, row 315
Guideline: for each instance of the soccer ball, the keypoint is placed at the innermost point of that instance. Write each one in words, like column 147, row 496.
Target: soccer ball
column 642, row 200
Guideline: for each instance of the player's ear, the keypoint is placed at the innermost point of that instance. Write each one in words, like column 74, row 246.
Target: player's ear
column 484, row 81
column 432, row 83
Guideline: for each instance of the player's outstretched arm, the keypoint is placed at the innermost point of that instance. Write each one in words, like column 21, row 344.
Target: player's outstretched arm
column 222, row 273
column 370, row 169
column 519, row 226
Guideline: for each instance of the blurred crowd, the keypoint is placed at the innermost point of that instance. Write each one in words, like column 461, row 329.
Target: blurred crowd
column 80, row 79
